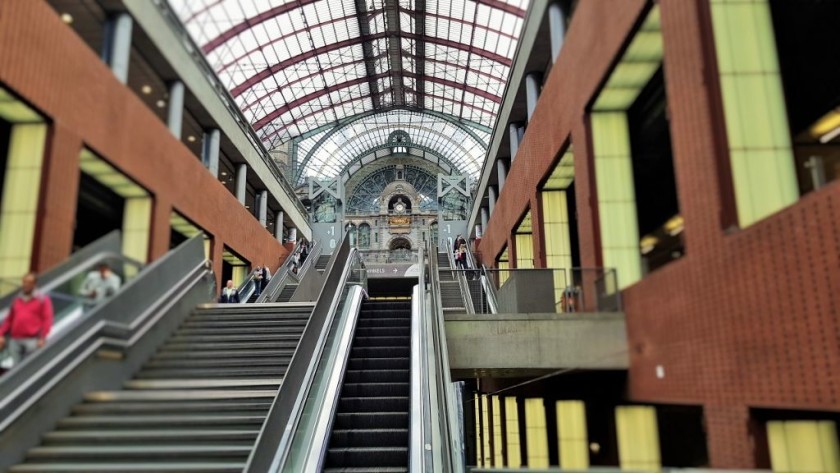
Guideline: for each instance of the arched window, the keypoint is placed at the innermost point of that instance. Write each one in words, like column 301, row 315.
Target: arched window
column 352, row 233
column 364, row 236
column 433, row 233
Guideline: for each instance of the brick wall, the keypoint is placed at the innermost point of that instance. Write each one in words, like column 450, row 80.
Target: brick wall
column 748, row 318
column 48, row 65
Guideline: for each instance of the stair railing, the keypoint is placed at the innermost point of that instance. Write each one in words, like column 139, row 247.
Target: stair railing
column 486, row 285
column 461, row 277
column 284, row 275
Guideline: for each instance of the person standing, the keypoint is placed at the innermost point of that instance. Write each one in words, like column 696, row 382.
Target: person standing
column 100, row 284
column 29, row 321
column 304, row 251
column 266, row 277
column 230, row 295
column 257, row 277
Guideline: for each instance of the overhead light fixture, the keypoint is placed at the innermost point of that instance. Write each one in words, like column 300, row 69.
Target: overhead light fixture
column 146, row 89
column 648, row 243
column 160, row 104
column 674, row 226
column 191, row 139
column 830, row 135
column 224, row 173
column 67, row 18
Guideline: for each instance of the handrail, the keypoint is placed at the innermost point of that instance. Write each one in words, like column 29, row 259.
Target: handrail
column 420, row 418
column 118, row 322
column 272, row 447
column 452, row 435
column 489, row 290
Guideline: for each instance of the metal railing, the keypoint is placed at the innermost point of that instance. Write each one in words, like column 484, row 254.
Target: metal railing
column 573, row 289
column 389, row 256
column 289, row 416
column 461, row 277
column 279, row 281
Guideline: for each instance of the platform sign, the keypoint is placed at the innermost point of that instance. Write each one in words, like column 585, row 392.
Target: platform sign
column 392, row 270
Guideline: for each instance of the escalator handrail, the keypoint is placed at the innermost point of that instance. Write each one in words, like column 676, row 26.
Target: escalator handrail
column 118, row 322
column 278, row 279
column 451, row 434
column 420, row 458
column 272, row 446
column 486, row 286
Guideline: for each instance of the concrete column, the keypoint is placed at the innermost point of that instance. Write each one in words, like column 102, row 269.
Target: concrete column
column 210, row 150
column 513, row 132
column 478, row 233
column 485, row 217
column 491, row 194
column 278, row 225
column 118, row 45
column 557, row 25
column 262, row 207
column 241, row 176
column 501, row 171
column 175, row 113
column 532, row 92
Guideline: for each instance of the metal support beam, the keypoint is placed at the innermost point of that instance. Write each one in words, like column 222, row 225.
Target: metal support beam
column 210, row 150
column 420, row 50
column 175, row 112
column 363, row 18
column 241, row 177
column 117, row 45
column 532, row 92
column 557, row 25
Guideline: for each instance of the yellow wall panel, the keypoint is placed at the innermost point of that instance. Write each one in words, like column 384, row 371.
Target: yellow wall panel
column 558, row 247
column 572, row 436
column 19, row 207
column 804, row 446
column 487, row 454
column 638, row 438
column 498, row 444
column 524, row 251
column 514, row 454
column 478, row 456
column 616, row 196
column 760, row 152
column 536, row 434
column 137, row 226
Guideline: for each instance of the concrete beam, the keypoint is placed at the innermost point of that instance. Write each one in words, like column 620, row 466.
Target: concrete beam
column 538, row 343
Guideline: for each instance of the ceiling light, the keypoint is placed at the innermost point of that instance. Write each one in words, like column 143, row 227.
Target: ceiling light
column 67, row 18
column 191, row 139
column 826, row 124
column 830, row 135
column 146, row 89
column 674, row 225
column 224, row 173
column 648, row 243
column 160, row 104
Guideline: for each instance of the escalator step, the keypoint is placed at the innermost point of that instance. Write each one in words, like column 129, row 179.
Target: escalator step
column 359, row 438
column 404, row 331
column 380, row 469
column 371, row 420
column 380, row 352
column 375, row 389
column 399, row 341
column 379, row 363
column 368, row 456
column 377, row 376
column 384, row 322
column 373, row 404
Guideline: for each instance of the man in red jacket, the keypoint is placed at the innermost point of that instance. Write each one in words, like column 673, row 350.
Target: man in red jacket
column 29, row 321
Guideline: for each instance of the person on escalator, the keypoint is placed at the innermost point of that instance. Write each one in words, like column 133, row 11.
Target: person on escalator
column 258, row 277
column 266, row 277
column 28, row 322
column 100, row 284
column 230, row 295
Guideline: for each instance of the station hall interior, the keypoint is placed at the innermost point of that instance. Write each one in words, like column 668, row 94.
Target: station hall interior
column 419, row 236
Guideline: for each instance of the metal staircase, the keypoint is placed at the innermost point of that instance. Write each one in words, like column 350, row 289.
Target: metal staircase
column 450, row 289
column 197, row 405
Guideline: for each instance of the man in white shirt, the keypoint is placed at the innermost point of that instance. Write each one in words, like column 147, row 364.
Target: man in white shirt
column 100, row 284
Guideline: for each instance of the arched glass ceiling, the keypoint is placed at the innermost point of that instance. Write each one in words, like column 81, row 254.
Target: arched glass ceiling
column 327, row 153
column 295, row 66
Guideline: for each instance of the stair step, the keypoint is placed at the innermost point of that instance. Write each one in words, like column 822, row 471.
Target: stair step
column 202, row 346
column 263, row 337
column 246, row 331
column 219, row 362
column 140, row 452
column 220, row 355
column 131, row 467
column 122, row 422
column 202, row 383
column 257, row 395
column 207, row 372
column 162, row 407
column 138, row 436
column 244, row 323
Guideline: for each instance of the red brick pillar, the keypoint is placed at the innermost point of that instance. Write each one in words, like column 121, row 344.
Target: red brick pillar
column 58, row 200
column 586, row 196
column 160, row 232
column 735, row 441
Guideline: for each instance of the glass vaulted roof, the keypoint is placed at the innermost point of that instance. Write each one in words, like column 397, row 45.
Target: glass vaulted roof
column 299, row 68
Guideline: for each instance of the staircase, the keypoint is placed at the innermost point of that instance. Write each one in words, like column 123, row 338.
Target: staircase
column 287, row 292
column 370, row 431
column 450, row 290
column 197, row 405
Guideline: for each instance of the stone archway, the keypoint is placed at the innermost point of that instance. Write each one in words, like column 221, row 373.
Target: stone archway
column 399, row 243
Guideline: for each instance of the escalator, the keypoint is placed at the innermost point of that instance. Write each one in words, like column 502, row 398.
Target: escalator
column 371, row 427
column 197, row 405
column 450, row 287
